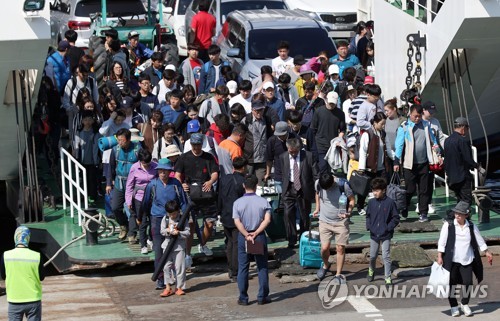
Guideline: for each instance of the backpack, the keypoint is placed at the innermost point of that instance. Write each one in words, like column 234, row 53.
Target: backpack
column 355, row 138
column 90, row 81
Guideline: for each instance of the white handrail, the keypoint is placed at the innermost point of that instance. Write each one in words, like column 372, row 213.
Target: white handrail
column 416, row 7
column 72, row 178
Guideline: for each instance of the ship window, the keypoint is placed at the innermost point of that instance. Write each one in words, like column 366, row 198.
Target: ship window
column 28, row 82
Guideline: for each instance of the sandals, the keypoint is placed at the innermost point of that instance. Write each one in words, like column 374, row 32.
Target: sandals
column 179, row 291
column 166, row 293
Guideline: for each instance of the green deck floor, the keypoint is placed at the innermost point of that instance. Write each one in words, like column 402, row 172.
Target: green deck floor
column 63, row 229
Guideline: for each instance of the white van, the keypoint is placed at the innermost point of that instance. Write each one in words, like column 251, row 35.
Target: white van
column 339, row 17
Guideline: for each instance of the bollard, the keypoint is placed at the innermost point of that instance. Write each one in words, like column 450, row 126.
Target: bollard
column 93, row 227
column 485, row 204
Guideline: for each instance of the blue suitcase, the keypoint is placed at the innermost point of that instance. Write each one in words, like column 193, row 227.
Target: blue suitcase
column 310, row 250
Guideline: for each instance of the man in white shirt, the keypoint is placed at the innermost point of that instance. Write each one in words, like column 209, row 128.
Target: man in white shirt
column 283, row 62
column 244, row 97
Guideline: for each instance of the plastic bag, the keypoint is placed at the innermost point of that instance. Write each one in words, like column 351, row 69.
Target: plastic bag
column 439, row 281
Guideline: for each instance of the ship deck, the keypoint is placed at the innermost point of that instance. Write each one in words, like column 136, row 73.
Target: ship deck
column 59, row 228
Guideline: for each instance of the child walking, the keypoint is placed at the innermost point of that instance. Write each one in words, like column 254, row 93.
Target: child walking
column 176, row 259
column 382, row 217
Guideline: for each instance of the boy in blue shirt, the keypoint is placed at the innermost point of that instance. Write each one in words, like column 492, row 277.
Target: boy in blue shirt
column 382, row 217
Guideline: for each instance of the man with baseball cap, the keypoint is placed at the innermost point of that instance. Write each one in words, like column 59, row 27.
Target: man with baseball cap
column 260, row 122
column 272, row 101
column 458, row 161
column 328, row 122
column 138, row 52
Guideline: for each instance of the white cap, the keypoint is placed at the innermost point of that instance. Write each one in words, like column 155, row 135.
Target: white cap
column 170, row 67
column 332, row 97
column 267, row 85
column 333, row 69
column 232, row 86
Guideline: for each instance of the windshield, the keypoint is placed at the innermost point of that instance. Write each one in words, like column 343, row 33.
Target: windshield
column 183, row 5
column 115, row 8
column 262, row 42
column 228, row 7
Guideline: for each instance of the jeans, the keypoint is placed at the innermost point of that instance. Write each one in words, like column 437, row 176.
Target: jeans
column 244, row 264
column 157, row 241
column 132, row 223
column 32, row 310
column 386, row 255
column 117, row 202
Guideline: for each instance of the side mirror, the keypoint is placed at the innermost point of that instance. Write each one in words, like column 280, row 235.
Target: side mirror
column 33, row 5
column 234, row 53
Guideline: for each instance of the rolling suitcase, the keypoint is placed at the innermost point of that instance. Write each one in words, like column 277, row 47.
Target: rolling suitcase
column 310, row 249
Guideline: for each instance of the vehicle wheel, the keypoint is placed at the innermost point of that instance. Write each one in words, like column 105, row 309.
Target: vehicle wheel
column 94, row 42
column 171, row 54
column 99, row 56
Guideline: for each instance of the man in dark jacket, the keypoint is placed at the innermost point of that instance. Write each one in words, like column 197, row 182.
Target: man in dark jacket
column 230, row 189
column 458, row 161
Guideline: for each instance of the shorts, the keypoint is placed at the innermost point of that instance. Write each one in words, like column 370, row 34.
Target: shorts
column 207, row 212
column 338, row 229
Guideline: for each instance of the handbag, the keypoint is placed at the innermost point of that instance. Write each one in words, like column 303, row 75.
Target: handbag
column 360, row 183
column 197, row 194
column 397, row 193
column 437, row 167
column 439, row 281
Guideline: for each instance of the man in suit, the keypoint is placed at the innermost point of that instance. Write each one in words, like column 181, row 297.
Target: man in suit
column 300, row 172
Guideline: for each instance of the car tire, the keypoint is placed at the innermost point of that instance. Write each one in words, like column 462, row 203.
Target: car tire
column 171, row 54
column 94, row 43
column 99, row 56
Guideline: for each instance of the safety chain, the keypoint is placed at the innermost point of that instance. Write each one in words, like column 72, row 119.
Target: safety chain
column 413, row 82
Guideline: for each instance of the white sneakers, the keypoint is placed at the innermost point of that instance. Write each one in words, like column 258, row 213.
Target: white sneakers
column 149, row 245
column 205, row 250
column 432, row 210
column 144, row 250
column 362, row 212
column 455, row 312
column 466, row 310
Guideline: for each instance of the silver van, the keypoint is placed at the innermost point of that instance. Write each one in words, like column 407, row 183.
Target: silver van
column 249, row 39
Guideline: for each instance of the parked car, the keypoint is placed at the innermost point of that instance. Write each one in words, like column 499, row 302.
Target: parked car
column 174, row 16
column 220, row 9
column 338, row 16
column 75, row 14
column 249, row 39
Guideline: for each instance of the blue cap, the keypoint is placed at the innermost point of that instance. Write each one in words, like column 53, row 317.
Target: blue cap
column 193, row 126
column 165, row 163
column 22, row 236
column 196, row 138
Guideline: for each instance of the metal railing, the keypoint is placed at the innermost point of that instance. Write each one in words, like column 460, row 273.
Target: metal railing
column 430, row 8
column 72, row 175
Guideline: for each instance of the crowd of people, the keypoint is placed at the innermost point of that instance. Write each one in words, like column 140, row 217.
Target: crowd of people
column 199, row 131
